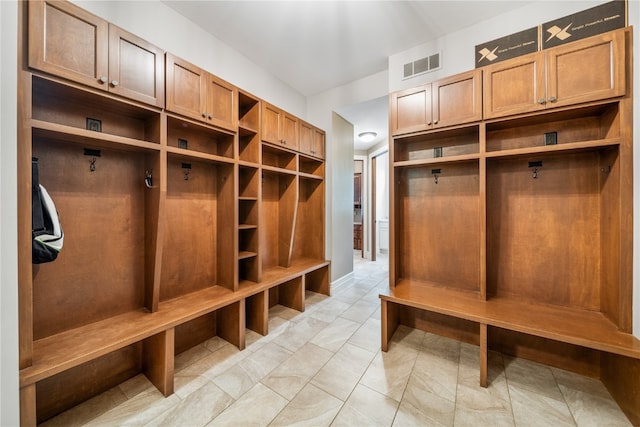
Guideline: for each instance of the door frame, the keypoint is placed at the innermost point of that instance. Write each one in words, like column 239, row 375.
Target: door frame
column 371, row 232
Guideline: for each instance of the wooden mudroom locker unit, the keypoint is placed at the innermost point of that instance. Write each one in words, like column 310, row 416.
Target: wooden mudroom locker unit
column 189, row 207
column 511, row 211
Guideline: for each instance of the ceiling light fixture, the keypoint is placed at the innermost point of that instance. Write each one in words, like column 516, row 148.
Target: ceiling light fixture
column 367, row 136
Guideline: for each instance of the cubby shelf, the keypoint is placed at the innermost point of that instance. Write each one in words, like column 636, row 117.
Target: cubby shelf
column 514, row 232
column 175, row 191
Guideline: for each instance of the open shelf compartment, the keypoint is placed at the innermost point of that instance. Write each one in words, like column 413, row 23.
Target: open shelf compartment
column 110, row 221
column 191, row 136
column 199, row 239
column 553, row 229
column 438, row 225
column 432, row 145
column 581, row 126
column 68, row 106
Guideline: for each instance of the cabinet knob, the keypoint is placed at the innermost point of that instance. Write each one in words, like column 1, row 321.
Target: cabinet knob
column 429, row 123
column 210, row 117
column 435, row 122
column 114, row 83
column 102, row 79
column 552, row 99
column 204, row 115
column 542, row 101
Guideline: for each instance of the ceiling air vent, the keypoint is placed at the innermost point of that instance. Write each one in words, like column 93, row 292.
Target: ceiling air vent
column 422, row 65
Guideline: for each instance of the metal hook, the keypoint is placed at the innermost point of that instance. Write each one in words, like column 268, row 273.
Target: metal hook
column 535, row 173
column 148, row 180
column 435, row 178
column 186, row 174
column 92, row 165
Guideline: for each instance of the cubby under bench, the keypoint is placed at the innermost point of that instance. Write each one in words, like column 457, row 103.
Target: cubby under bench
column 148, row 342
column 580, row 340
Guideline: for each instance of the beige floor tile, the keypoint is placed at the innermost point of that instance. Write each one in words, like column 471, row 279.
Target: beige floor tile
column 342, row 372
column 432, row 386
column 294, row 373
column 259, row 364
column 336, row 334
column 235, row 381
column 328, row 312
column 536, row 410
column 216, row 363
column 311, row 407
column 190, row 356
column 283, row 312
column 389, row 371
column 410, row 416
column 589, row 401
column 258, row 407
column 87, row 411
column 360, row 311
column 531, row 376
column 477, row 405
column 298, row 334
column 202, row 406
column 137, row 411
column 136, row 385
column 184, row 385
column 368, row 335
column 366, row 407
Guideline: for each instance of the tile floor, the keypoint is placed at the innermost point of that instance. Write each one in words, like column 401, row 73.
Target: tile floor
column 324, row 367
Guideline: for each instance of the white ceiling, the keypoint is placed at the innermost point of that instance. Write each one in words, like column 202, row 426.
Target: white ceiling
column 314, row 46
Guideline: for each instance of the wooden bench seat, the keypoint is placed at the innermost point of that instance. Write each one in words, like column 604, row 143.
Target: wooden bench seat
column 66, row 350
column 584, row 328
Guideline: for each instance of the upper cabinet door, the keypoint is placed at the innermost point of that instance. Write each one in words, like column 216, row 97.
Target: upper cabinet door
column 586, row 70
column 306, row 138
column 514, row 86
column 290, row 131
column 271, row 122
column 136, row 68
column 222, row 103
column 411, row 110
column 318, row 143
column 186, row 88
column 457, row 99
column 69, row 42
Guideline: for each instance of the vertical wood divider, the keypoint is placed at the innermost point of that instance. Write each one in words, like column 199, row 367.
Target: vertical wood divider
column 389, row 324
column 25, row 273
column 483, row 355
column 257, row 308
column 232, row 322
column 482, row 171
column 291, row 293
column 158, row 360
column 28, row 406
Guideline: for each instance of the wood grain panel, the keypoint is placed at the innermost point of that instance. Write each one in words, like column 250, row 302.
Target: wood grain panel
column 190, row 236
column 620, row 375
column 194, row 332
column 439, row 226
column 67, row 389
column 542, row 233
column 101, row 270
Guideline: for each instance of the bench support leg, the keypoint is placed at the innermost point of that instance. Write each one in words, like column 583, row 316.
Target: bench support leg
column 257, row 307
column 231, row 323
column 389, row 322
column 158, row 360
column 483, row 355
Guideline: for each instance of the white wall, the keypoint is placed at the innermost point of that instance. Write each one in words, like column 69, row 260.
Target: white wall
column 167, row 29
column 341, row 200
column 9, row 403
column 458, row 48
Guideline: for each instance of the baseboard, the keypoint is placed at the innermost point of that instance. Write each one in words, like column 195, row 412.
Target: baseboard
column 336, row 284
